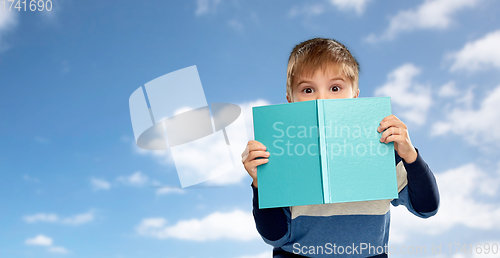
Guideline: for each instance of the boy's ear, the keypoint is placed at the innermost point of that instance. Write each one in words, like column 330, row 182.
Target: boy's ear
column 357, row 94
column 288, row 99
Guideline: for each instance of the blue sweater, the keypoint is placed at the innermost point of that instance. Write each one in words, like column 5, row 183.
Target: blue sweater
column 355, row 229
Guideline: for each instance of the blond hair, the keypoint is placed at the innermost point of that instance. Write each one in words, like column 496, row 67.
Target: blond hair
column 320, row 53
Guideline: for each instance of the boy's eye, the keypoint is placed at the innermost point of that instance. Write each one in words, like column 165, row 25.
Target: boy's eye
column 335, row 88
column 307, row 90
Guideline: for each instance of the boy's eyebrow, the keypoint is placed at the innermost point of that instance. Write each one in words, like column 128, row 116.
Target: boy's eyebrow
column 337, row 78
column 302, row 81
column 305, row 80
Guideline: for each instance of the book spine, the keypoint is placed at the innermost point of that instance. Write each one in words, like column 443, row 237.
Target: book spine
column 323, row 151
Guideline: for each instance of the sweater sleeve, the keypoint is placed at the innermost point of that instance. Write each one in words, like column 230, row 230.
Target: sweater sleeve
column 420, row 195
column 273, row 224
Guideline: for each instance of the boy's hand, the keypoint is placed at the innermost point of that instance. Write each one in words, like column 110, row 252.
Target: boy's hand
column 397, row 132
column 253, row 150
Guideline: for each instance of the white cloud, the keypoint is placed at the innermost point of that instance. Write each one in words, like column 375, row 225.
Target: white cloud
column 477, row 126
column 236, row 25
column 149, row 224
column 414, row 99
column 462, row 203
column 29, row 178
column 261, row 255
column 8, row 20
column 51, row 16
column 203, row 159
column 77, row 219
column 65, row 67
column 195, row 156
column 206, row 6
column 161, row 156
column 478, row 55
column 137, row 179
column 306, row 10
column 42, row 240
column 316, row 9
column 40, row 139
column 99, row 184
column 246, row 112
column 42, row 217
column 236, row 225
column 58, row 250
column 432, row 14
column 347, row 5
column 39, row 240
column 238, row 174
column 466, row 99
column 235, row 176
column 448, row 90
column 169, row 190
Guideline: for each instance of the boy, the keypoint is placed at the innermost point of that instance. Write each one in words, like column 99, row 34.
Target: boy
column 324, row 69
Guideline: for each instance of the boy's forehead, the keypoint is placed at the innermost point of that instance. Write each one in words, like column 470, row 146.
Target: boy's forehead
column 330, row 70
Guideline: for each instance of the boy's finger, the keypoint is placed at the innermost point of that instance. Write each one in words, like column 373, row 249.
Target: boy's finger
column 254, row 154
column 390, row 117
column 252, row 145
column 393, row 138
column 255, row 145
column 259, row 162
column 390, row 123
column 391, row 131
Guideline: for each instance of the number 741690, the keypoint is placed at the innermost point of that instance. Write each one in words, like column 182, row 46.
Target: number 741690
column 27, row 5
column 473, row 249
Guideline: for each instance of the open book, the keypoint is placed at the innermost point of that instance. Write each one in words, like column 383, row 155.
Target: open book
column 324, row 151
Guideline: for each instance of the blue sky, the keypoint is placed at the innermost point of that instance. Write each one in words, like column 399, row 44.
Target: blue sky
column 74, row 184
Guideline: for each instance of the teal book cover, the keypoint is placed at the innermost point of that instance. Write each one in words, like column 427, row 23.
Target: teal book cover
column 324, row 151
